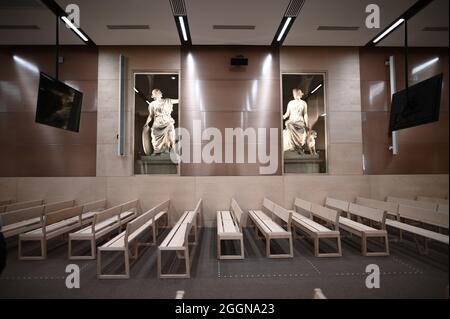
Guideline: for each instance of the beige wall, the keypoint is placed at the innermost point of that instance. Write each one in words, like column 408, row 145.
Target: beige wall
column 137, row 59
column 216, row 192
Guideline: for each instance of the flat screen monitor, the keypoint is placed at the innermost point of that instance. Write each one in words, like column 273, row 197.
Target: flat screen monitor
column 58, row 104
column 421, row 107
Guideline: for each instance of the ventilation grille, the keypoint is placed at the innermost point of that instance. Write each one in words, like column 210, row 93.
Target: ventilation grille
column 336, row 28
column 178, row 7
column 294, row 8
column 19, row 27
column 10, row 4
column 128, row 27
column 233, row 27
column 435, row 29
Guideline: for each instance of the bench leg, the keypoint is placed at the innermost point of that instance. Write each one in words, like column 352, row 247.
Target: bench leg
column 219, row 248
column 242, row 248
column 42, row 246
column 125, row 275
column 386, row 252
column 159, row 263
column 187, row 261
column 317, row 252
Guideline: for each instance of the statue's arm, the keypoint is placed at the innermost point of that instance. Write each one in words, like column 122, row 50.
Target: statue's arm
column 174, row 101
column 288, row 112
column 150, row 114
column 305, row 115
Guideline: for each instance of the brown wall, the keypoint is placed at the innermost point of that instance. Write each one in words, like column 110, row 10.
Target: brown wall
column 225, row 97
column 343, row 100
column 31, row 149
column 423, row 149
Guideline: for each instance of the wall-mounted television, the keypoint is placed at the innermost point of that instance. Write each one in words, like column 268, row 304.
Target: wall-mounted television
column 58, row 104
column 420, row 107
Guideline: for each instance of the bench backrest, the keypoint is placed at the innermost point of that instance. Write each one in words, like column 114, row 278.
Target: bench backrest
column 5, row 202
column 432, row 200
column 22, row 214
column 377, row 215
column 326, row 214
column 389, row 207
column 198, row 208
column 21, row 205
column 145, row 217
column 302, row 206
column 237, row 212
column 442, row 209
column 106, row 214
column 340, row 205
column 267, row 206
column 63, row 214
column 130, row 206
column 98, row 205
column 423, row 215
column 413, row 203
column 279, row 211
column 53, row 207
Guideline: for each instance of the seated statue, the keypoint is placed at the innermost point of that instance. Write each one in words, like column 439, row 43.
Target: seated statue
column 295, row 133
column 162, row 130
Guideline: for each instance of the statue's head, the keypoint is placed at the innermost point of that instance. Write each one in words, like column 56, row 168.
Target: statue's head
column 297, row 93
column 156, row 94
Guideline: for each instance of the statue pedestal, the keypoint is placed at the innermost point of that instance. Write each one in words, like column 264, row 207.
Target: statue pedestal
column 156, row 164
column 302, row 163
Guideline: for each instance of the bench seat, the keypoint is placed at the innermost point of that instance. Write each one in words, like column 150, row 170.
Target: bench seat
column 271, row 230
column 312, row 228
column 178, row 241
column 134, row 231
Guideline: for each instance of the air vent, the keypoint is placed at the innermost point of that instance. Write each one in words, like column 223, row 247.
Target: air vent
column 336, row 28
column 294, row 8
column 435, row 29
column 11, row 4
column 19, row 27
column 128, row 27
column 178, row 7
column 233, row 27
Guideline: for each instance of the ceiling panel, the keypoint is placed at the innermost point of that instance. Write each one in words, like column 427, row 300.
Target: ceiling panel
column 434, row 15
column 259, row 20
column 343, row 13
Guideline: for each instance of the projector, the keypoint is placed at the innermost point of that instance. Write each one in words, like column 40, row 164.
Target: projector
column 239, row 60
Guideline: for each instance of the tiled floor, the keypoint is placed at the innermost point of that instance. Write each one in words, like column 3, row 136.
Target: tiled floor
column 404, row 274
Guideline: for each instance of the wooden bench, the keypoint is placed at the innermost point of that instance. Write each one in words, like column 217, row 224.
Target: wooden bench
column 391, row 208
column 358, row 228
column 21, row 205
column 270, row 230
column 413, row 203
column 134, row 231
column 435, row 200
column 313, row 229
column 59, row 222
column 26, row 219
column 178, row 241
column 104, row 222
column 229, row 228
column 421, row 232
column 422, row 216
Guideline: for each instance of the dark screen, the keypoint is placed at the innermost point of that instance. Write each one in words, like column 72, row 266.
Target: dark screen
column 58, row 104
column 424, row 100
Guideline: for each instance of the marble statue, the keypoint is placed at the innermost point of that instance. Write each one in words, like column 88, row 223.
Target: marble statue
column 162, row 131
column 295, row 133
